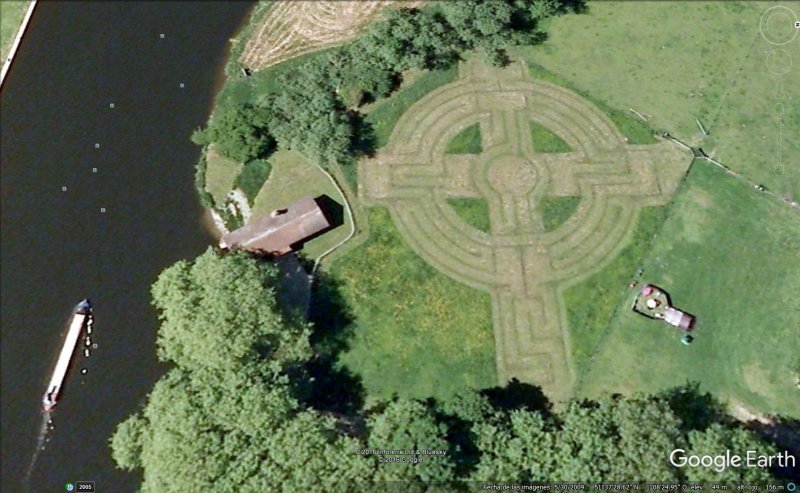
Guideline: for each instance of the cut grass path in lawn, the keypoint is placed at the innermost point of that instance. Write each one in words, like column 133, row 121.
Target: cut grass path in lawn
column 591, row 305
column 728, row 255
column 417, row 332
column 680, row 61
column 385, row 114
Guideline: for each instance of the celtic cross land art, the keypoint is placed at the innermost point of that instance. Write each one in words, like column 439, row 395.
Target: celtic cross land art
column 524, row 267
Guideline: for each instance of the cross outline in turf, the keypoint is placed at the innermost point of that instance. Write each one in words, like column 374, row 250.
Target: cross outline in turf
column 524, row 268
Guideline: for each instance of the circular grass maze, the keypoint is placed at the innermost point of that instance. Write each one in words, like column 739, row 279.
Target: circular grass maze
column 524, row 267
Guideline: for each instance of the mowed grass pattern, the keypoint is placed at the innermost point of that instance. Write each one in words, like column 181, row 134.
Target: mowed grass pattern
column 731, row 256
column 680, row 61
column 591, row 304
column 383, row 117
column 417, row 332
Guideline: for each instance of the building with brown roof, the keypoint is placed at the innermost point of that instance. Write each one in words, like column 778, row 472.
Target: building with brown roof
column 281, row 231
column 654, row 302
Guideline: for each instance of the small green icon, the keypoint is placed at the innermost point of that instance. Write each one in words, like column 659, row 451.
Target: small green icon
column 69, row 487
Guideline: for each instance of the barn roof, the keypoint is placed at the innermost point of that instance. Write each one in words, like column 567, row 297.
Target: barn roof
column 277, row 232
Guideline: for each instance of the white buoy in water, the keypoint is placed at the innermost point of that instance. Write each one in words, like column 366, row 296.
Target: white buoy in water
column 97, row 145
column 84, row 371
column 88, row 342
column 86, row 352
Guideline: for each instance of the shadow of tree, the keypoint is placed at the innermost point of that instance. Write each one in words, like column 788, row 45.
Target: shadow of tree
column 574, row 6
column 784, row 433
column 696, row 409
column 364, row 142
column 333, row 388
column 519, row 395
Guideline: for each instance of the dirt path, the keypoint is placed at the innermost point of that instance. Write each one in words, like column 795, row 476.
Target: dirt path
column 292, row 28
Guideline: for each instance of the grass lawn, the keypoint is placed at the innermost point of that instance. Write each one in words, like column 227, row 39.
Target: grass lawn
column 386, row 112
column 680, row 61
column 417, row 332
column 292, row 178
column 221, row 173
column 468, row 141
column 730, row 256
column 556, row 210
column 474, row 211
column 11, row 14
column 591, row 305
column 252, row 178
column 544, row 140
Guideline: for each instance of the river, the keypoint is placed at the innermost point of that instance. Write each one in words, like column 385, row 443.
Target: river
column 129, row 210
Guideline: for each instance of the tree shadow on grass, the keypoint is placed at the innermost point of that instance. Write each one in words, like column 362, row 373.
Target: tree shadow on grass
column 364, row 142
column 333, row 388
column 519, row 395
column 697, row 409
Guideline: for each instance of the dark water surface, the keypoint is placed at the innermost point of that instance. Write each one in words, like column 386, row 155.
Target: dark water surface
column 58, row 247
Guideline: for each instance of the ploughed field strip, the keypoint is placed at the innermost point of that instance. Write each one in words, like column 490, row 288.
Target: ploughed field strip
column 292, row 29
column 522, row 266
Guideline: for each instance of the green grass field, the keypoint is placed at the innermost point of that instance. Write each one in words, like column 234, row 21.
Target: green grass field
column 468, row 141
column 474, row 211
column 384, row 115
column 725, row 252
column 556, row 210
column 591, row 304
column 11, row 14
column 221, row 174
column 417, row 332
column 680, row 61
column 252, row 178
column 731, row 256
column 544, row 140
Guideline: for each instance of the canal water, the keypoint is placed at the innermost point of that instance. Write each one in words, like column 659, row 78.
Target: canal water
column 128, row 210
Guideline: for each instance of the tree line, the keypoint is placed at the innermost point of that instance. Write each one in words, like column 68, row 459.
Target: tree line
column 313, row 109
column 245, row 409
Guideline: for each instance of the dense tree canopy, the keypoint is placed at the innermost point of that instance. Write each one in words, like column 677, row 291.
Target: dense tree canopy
column 232, row 415
column 312, row 110
column 220, row 313
column 239, row 132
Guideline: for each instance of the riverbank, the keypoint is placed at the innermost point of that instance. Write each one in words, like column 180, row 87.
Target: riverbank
column 15, row 17
column 143, row 184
